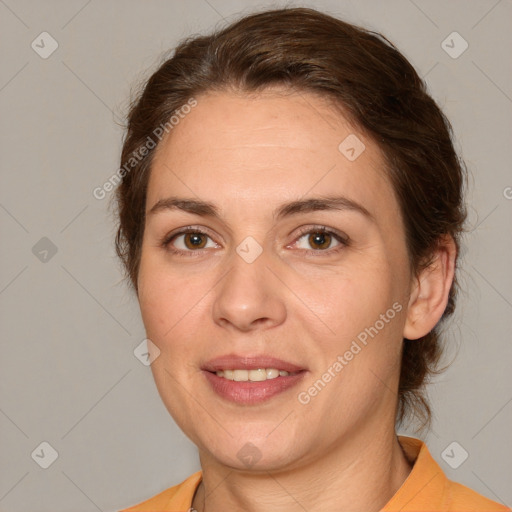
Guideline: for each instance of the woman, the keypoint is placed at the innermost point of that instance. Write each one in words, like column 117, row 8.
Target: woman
column 290, row 214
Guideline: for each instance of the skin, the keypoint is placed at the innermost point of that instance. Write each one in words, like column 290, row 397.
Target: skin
column 248, row 155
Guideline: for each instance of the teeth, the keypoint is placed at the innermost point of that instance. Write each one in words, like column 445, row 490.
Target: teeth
column 272, row 373
column 258, row 375
column 240, row 375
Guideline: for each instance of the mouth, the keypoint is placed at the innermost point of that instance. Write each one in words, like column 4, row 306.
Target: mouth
column 250, row 380
column 258, row 375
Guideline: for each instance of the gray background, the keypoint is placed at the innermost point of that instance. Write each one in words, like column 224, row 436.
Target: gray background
column 69, row 325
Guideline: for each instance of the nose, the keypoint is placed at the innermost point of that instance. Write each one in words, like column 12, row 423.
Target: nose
column 249, row 297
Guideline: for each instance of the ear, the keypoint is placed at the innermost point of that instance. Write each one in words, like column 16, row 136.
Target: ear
column 430, row 291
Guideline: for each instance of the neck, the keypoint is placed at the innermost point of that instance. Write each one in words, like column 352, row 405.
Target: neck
column 363, row 471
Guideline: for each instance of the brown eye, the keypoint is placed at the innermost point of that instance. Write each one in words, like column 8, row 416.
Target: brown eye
column 189, row 241
column 320, row 240
column 195, row 240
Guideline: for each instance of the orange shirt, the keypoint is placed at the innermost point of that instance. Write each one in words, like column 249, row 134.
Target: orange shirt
column 426, row 489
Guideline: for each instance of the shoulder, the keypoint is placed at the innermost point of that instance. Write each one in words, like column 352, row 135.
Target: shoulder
column 428, row 488
column 460, row 498
column 176, row 498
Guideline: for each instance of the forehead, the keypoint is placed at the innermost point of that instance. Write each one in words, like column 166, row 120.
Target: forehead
column 259, row 150
column 264, row 123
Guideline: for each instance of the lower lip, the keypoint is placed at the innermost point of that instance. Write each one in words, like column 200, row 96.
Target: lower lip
column 249, row 393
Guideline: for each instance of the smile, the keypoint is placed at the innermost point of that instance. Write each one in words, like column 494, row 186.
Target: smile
column 258, row 375
column 252, row 387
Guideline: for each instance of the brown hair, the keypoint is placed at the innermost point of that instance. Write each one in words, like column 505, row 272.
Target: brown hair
column 376, row 86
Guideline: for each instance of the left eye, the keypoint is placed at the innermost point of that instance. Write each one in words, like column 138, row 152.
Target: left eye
column 319, row 240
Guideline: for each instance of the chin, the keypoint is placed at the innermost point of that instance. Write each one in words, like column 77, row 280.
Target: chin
column 254, row 452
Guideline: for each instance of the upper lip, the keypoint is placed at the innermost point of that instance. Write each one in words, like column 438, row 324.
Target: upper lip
column 249, row 362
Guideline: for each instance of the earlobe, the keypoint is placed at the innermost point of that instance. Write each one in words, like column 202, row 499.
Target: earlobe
column 430, row 291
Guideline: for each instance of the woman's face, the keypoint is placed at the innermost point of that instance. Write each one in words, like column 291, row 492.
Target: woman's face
column 257, row 284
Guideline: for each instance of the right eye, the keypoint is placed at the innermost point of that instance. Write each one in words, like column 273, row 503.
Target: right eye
column 188, row 240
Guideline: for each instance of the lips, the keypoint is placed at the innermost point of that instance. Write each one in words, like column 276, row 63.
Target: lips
column 251, row 392
column 249, row 362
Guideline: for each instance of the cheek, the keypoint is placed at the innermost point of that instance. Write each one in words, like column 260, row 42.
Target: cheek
column 364, row 310
column 354, row 297
column 166, row 300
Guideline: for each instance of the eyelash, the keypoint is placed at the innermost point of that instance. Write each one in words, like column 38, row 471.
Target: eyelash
column 341, row 238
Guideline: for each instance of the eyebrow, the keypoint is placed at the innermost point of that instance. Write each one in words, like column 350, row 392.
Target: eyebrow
column 312, row 204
